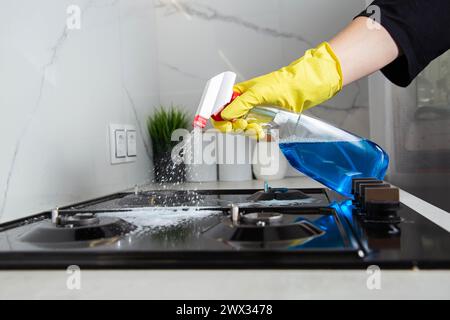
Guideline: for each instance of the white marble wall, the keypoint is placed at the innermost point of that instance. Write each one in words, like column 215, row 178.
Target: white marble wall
column 59, row 90
column 199, row 38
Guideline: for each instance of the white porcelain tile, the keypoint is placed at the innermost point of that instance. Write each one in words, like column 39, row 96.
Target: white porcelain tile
column 61, row 89
column 197, row 39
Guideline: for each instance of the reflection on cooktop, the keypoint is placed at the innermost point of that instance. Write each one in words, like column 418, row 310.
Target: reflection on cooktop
column 206, row 199
column 282, row 228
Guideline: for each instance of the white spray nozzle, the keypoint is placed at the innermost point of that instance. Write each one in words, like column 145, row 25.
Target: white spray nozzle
column 217, row 93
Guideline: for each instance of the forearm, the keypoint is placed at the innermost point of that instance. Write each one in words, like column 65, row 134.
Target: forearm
column 354, row 53
column 362, row 50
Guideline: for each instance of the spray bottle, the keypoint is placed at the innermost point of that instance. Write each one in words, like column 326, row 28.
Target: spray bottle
column 327, row 154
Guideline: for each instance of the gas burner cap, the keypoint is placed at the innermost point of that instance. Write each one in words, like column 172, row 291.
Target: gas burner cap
column 282, row 194
column 78, row 220
column 261, row 219
column 77, row 228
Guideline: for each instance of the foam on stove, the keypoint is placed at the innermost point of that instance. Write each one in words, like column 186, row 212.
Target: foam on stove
column 160, row 217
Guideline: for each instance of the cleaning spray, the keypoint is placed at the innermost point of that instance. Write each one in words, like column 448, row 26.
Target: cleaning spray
column 325, row 153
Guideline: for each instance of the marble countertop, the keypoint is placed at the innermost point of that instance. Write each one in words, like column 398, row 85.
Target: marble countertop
column 237, row 284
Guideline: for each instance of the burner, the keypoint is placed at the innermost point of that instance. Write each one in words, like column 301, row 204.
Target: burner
column 78, row 220
column 278, row 194
column 221, row 229
column 262, row 218
column 78, row 227
column 264, row 229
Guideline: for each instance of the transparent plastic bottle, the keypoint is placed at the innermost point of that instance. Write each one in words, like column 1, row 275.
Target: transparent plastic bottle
column 321, row 151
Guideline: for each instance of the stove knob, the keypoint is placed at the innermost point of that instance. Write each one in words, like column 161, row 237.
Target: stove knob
column 235, row 214
column 381, row 204
column 261, row 224
column 360, row 180
column 366, row 186
column 359, row 184
column 55, row 216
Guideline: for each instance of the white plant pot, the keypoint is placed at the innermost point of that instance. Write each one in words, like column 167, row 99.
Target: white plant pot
column 269, row 162
column 235, row 172
column 234, row 157
column 202, row 164
column 201, row 172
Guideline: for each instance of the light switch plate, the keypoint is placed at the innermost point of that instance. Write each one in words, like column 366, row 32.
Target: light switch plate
column 122, row 141
column 131, row 143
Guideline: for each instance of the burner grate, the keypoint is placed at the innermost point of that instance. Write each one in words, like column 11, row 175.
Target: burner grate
column 76, row 228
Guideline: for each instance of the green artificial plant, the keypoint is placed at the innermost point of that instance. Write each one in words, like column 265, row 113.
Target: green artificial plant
column 160, row 126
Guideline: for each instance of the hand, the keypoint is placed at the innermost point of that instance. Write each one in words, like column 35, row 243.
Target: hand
column 248, row 127
column 308, row 81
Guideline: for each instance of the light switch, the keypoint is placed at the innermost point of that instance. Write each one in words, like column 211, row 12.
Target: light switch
column 131, row 143
column 122, row 141
column 121, row 144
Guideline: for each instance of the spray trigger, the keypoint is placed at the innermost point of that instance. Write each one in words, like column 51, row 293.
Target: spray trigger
column 217, row 94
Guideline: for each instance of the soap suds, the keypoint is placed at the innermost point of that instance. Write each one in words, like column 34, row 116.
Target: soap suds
column 160, row 217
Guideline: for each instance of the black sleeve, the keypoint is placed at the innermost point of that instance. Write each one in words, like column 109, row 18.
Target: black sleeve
column 421, row 29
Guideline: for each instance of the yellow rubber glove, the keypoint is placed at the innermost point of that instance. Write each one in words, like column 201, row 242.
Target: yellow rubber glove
column 308, row 81
column 249, row 127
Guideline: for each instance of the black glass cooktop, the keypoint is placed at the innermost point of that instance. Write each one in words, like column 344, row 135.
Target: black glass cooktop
column 307, row 228
column 206, row 199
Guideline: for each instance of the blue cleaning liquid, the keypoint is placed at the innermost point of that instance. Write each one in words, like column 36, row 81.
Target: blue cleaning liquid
column 336, row 163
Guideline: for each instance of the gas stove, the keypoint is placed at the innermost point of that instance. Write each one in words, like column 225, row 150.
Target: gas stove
column 270, row 228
